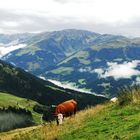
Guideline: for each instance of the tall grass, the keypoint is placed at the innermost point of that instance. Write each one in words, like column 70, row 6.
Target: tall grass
column 129, row 95
column 108, row 121
column 51, row 131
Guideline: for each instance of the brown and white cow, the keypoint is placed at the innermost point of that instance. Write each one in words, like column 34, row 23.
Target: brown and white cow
column 66, row 108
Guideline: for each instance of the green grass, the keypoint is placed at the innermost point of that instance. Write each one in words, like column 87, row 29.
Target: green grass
column 109, row 121
column 105, row 85
column 11, row 100
column 33, row 66
column 82, row 81
column 31, row 50
column 82, row 56
column 110, row 44
column 61, row 70
column 129, row 95
column 105, row 122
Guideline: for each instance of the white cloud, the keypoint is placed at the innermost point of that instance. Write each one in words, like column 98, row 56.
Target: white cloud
column 99, row 71
column 42, row 77
column 124, row 70
column 6, row 50
column 137, row 81
column 85, row 69
column 71, row 86
column 115, row 70
column 105, row 16
column 10, row 23
column 107, row 11
column 119, row 71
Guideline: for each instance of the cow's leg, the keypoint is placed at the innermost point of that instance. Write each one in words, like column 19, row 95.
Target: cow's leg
column 75, row 111
column 57, row 122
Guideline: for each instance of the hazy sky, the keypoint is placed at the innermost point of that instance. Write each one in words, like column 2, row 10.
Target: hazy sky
column 102, row 16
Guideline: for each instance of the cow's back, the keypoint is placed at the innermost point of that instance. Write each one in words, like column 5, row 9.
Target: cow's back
column 67, row 107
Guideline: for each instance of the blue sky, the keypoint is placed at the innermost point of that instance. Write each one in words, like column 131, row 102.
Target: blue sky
column 103, row 16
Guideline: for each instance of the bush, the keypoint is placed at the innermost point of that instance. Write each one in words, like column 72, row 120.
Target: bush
column 46, row 111
column 129, row 95
column 40, row 108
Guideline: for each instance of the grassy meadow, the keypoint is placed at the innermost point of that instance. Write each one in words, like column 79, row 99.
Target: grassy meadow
column 108, row 121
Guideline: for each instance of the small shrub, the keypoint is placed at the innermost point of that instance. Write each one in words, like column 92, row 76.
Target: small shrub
column 129, row 95
column 40, row 108
column 46, row 111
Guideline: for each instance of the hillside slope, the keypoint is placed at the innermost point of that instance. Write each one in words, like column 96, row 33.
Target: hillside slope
column 24, row 98
column 108, row 121
column 22, row 84
column 7, row 100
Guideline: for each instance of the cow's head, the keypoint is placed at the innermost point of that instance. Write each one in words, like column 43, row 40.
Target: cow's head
column 59, row 119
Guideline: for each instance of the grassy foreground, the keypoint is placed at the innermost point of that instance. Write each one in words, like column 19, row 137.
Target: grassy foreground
column 110, row 121
column 102, row 122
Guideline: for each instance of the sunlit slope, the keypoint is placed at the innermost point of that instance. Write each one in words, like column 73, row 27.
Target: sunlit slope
column 7, row 100
column 112, row 121
column 98, row 123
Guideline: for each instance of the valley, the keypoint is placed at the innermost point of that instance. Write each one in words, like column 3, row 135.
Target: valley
column 70, row 64
column 72, row 56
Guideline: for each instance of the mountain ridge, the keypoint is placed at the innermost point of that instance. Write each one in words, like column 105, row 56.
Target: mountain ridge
column 74, row 56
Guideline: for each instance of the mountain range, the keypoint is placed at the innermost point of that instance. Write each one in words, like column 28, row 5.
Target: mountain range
column 98, row 63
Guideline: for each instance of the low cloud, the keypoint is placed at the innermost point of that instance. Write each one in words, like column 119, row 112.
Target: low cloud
column 137, row 81
column 72, row 87
column 49, row 15
column 6, row 50
column 85, row 69
column 68, row 86
column 124, row 70
column 99, row 71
